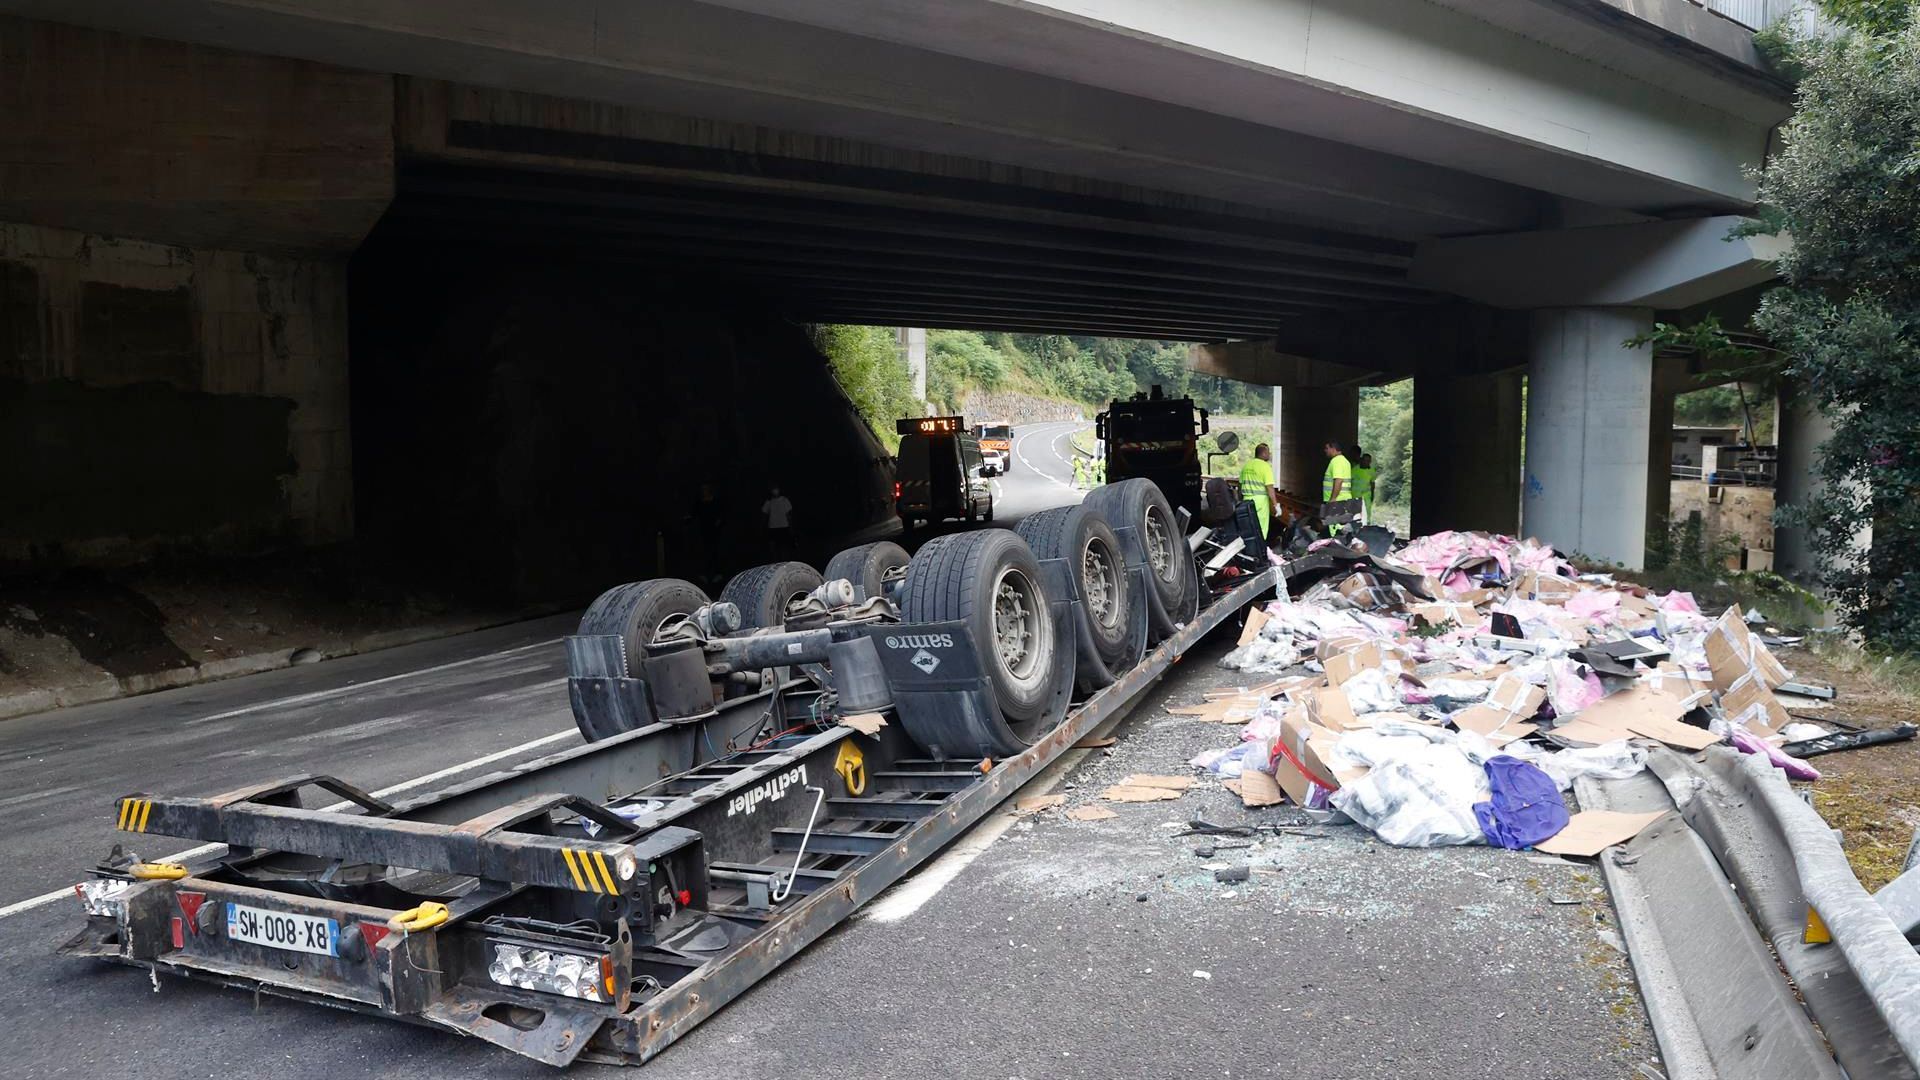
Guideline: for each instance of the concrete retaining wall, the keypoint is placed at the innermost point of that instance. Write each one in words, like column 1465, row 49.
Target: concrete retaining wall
column 154, row 396
column 174, row 225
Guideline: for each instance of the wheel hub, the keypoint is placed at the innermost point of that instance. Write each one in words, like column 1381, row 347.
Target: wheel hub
column 1098, row 589
column 1015, row 623
column 1159, row 547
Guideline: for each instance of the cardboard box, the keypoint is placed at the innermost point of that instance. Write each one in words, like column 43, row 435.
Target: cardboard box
column 1328, row 707
column 1639, row 710
column 1330, row 647
column 1256, row 619
column 1442, row 612
column 1752, row 700
column 1732, row 651
column 1297, row 764
column 1345, row 665
column 1516, row 697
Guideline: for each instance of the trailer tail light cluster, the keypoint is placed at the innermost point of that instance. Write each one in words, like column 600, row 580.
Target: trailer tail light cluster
column 545, row 971
column 104, row 896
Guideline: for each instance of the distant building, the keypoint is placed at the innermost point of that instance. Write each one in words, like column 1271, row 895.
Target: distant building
column 1689, row 444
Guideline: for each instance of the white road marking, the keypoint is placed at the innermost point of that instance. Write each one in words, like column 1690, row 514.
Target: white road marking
column 405, row 785
column 302, row 699
column 1043, row 474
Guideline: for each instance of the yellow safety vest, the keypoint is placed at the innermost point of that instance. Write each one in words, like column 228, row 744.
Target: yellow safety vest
column 1337, row 469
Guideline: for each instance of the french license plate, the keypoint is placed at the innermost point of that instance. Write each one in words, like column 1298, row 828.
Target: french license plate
column 283, row 930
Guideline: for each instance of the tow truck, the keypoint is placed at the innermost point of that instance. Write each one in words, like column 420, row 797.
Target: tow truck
column 752, row 770
column 1156, row 437
column 996, row 443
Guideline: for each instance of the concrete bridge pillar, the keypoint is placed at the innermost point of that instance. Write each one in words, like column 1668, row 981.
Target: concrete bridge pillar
column 1589, row 407
column 1303, row 421
column 1670, row 379
column 1466, row 438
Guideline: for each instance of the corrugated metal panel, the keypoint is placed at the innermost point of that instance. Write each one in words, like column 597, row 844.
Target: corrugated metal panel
column 1752, row 13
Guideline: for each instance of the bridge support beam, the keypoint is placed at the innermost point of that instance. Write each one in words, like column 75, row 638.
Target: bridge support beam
column 1589, row 407
column 1466, row 438
column 1303, row 421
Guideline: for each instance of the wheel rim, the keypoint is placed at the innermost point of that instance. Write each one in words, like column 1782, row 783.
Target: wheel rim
column 1099, row 585
column 1159, row 544
column 1016, row 624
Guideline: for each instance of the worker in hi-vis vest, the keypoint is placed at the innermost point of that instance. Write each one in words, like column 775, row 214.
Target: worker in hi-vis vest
column 1256, row 485
column 1363, row 483
column 1337, row 483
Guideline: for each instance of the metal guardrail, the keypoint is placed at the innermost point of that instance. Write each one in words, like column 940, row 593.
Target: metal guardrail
column 1714, row 903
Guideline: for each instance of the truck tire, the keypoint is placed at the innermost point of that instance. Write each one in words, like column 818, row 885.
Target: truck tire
column 762, row 593
column 1172, row 584
column 636, row 610
column 990, row 580
column 1097, row 573
column 867, row 566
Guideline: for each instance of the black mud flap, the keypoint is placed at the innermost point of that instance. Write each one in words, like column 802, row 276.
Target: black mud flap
column 554, row 1034
column 944, row 699
column 1091, row 673
column 606, row 702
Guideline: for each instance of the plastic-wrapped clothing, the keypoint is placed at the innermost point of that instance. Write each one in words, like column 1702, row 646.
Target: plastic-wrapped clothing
column 1420, row 786
column 1614, row 760
column 1232, row 761
column 1468, row 690
column 1748, row 743
column 1373, row 690
column 1523, row 806
column 1596, row 606
column 1262, row 656
column 1569, row 689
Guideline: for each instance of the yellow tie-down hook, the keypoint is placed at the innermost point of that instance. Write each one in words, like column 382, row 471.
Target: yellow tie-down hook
column 851, row 764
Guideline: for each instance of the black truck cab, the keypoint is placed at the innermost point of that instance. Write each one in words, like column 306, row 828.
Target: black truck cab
column 940, row 472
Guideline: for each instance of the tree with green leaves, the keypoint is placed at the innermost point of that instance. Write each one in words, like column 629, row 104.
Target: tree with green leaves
column 866, row 361
column 1845, row 186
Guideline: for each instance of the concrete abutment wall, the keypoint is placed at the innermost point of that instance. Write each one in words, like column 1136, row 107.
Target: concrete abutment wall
column 174, row 227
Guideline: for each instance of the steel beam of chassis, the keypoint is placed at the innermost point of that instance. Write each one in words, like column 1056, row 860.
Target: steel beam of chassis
column 654, row 1025
column 602, row 771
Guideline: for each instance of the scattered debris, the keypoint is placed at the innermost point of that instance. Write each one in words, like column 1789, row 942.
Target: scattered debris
column 1090, row 813
column 1465, row 655
column 1036, row 803
column 1590, row 832
column 1848, row 740
column 1231, row 874
column 1130, row 793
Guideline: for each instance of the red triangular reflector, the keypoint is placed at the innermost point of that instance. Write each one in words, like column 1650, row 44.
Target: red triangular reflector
column 190, row 907
column 374, row 933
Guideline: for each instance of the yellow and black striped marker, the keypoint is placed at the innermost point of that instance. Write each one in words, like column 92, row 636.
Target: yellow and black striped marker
column 133, row 814
column 590, row 872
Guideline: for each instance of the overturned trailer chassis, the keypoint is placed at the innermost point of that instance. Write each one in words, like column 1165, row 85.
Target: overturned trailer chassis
column 726, row 860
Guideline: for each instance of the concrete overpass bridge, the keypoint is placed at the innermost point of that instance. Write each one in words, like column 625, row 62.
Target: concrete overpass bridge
column 217, row 200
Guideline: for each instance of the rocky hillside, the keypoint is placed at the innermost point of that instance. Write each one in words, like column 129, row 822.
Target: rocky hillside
column 981, row 405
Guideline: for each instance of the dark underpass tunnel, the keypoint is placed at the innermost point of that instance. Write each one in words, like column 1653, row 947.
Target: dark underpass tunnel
column 544, row 428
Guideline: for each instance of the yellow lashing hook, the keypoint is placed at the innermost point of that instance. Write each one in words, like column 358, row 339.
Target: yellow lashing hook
column 424, row 917
column 158, row 871
column 851, row 764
